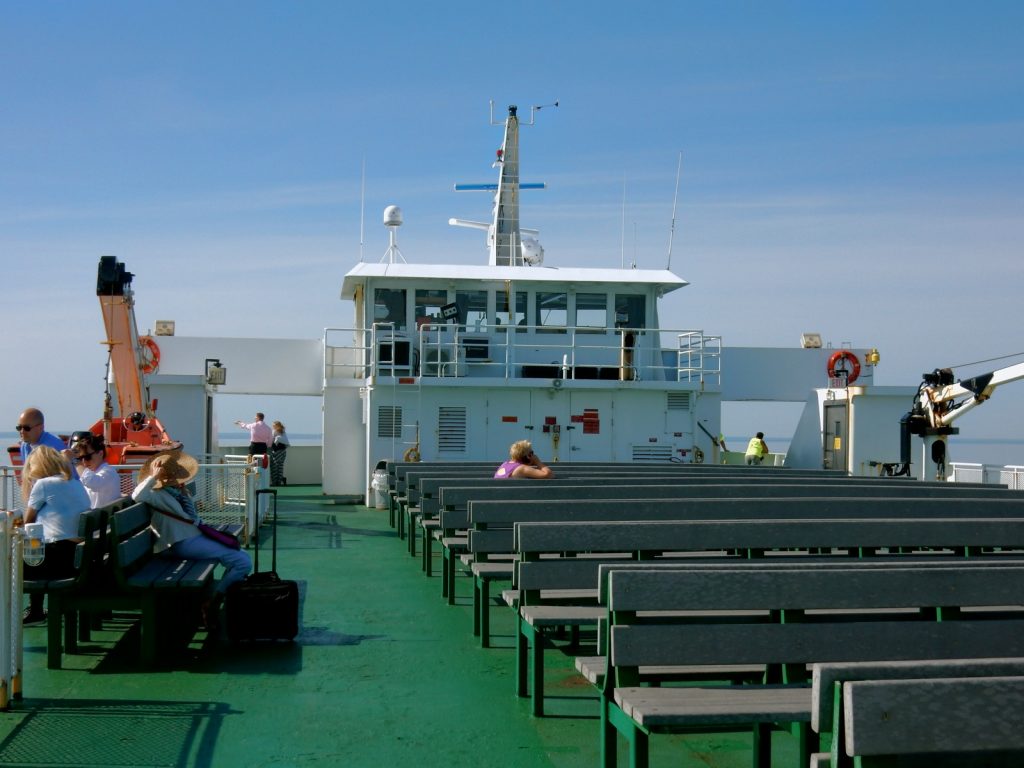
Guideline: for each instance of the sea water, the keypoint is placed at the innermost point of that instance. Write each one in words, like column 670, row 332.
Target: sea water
column 962, row 450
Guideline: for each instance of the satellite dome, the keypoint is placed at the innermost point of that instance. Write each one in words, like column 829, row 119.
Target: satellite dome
column 392, row 216
column 533, row 251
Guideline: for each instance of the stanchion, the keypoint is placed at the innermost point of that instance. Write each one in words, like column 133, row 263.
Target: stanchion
column 11, row 646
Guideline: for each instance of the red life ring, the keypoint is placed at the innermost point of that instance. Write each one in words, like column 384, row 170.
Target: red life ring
column 149, row 354
column 844, row 354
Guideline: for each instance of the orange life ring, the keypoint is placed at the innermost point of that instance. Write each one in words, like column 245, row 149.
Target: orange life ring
column 150, row 354
column 844, row 354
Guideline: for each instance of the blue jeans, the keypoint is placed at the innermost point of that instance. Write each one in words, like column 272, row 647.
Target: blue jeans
column 236, row 562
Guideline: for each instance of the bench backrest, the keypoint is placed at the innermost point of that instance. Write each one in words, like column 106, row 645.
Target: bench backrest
column 131, row 539
column 828, row 678
column 729, row 626
column 968, row 720
column 491, row 521
column 539, row 496
column 538, row 570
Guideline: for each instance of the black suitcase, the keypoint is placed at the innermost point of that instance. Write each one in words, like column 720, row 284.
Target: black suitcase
column 263, row 606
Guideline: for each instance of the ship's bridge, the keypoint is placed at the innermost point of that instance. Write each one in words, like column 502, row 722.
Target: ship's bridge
column 516, row 323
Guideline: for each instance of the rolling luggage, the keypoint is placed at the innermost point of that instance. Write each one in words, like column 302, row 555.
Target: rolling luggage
column 263, row 606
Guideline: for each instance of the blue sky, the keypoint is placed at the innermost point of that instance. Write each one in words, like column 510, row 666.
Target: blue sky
column 855, row 169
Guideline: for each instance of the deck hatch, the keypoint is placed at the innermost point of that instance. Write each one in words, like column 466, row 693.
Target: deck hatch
column 451, row 429
column 389, row 421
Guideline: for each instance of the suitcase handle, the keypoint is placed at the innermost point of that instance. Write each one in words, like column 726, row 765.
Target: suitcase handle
column 273, row 561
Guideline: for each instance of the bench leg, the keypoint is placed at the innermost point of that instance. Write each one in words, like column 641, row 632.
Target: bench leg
column 538, row 672
column 609, row 737
column 412, row 535
column 485, row 613
column 638, row 749
column 444, row 571
column 522, row 655
column 54, row 649
column 428, row 553
column 476, row 607
column 763, row 745
column 148, row 625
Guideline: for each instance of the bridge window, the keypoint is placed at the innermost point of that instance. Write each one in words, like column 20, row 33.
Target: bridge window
column 516, row 316
column 472, row 309
column 428, row 306
column 630, row 310
column 591, row 311
column 552, row 312
column 389, row 307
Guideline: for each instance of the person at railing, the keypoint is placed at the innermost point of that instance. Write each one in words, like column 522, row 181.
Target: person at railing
column 278, row 452
column 260, row 436
column 523, row 463
column 56, row 499
column 163, row 481
column 101, row 480
column 757, row 449
column 31, row 428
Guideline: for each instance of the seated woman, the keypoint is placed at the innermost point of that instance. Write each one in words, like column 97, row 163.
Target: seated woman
column 101, row 480
column 162, row 482
column 523, row 462
column 56, row 499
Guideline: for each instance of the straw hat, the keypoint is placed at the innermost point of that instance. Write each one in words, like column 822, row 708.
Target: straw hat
column 174, row 468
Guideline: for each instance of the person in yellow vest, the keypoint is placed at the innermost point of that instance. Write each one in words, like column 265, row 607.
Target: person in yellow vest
column 757, row 449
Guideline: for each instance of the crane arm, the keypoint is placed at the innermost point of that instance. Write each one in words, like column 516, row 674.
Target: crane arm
column 113, row 288
column 945, row 403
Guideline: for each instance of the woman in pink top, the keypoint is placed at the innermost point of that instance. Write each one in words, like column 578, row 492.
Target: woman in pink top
column 523, row 462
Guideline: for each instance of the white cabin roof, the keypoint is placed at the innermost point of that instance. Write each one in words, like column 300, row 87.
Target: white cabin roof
column 662, row 279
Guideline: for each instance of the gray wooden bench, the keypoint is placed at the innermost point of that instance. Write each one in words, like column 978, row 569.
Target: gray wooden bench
column 492, row 532
column 550, row 562
column 454, row 494
column 166, row 590
column 816, row 615
column 971, row 722
column 828, row 716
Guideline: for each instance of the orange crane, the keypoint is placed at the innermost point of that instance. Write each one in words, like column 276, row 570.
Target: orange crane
column 135, row 433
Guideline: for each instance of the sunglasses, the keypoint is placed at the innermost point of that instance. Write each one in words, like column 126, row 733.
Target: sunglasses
column 84, row 457
column 25, row 427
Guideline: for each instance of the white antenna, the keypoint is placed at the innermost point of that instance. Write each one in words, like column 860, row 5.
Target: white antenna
column 633, row 265
column 362, row 209
column 392, row 220
column 675, row 199
column 622, row 245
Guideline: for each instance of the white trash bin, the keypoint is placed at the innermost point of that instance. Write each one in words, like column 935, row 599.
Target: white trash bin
column 380, row 488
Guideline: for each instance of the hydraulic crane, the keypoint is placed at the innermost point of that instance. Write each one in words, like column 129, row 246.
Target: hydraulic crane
column 941, row 400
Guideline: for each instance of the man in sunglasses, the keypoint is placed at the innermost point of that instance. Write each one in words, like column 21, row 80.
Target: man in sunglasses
column 32, row 431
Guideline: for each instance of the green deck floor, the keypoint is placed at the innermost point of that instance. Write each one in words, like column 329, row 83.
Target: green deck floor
column 383, row 673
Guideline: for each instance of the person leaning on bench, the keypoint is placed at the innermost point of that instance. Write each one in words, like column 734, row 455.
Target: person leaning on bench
column 523, row 462
column 162, row 485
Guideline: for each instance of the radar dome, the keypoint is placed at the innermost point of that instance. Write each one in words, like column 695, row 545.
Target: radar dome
column 392, row 216
column 533, row 251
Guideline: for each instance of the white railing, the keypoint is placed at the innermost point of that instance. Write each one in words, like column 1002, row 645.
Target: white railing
column 10, row 610
column 521, row 352
column 1010, row 476
column 224, row 492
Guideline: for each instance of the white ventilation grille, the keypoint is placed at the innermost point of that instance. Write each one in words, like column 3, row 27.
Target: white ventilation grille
column 389, row 421
column 652, row 453
column 451, row 429
column 679, row 401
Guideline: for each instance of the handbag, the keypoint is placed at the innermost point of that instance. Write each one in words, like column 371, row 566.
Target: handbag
column 219, row 536
column 208, row 531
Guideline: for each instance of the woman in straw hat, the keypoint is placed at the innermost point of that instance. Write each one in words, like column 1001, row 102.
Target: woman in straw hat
column 162, row 481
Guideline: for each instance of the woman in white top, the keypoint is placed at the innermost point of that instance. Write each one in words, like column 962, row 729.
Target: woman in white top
column 101, row 480
column 56, row 499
